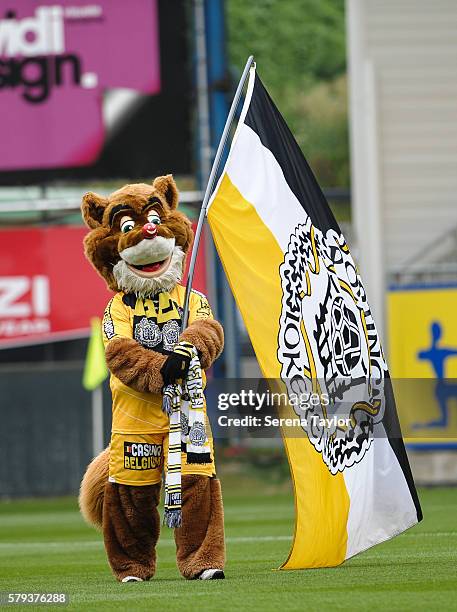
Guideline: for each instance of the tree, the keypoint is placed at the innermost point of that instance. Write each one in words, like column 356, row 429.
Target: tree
column 299, row 46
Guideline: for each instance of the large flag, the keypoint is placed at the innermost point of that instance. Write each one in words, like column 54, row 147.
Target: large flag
column 311, row 327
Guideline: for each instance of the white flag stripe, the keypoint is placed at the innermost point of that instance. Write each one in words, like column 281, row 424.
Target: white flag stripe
column 381, row 506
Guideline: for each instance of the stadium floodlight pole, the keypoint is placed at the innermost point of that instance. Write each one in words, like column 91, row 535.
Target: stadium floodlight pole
column 209, row 188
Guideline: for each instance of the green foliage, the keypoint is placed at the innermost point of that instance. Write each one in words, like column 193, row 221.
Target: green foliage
column 319, row 122
column 299, row 46
column 291, row 39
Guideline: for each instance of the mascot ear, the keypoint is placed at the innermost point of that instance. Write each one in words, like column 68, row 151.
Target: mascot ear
column 92, row 209
column 166, row 187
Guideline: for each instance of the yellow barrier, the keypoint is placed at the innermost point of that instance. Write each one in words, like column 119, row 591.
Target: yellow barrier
column 422, row 336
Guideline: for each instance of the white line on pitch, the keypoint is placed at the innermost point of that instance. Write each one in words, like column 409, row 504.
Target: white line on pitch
column 71, row 545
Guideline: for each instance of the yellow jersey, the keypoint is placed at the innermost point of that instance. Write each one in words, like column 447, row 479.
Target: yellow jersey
column 155, row 324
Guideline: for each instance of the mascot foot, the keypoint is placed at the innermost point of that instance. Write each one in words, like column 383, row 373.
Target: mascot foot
column 200, row 543
column 211, row 574
column 131, row 525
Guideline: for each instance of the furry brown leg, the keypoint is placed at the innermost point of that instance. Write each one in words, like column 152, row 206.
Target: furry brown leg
column 131, row 526
column 200, row 541
column 92, row 489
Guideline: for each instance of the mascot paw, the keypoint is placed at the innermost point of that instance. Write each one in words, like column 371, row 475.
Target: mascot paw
column 132, row 579
column 211, row 574
column 177, row 363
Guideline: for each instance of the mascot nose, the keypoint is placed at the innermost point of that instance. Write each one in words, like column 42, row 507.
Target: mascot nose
column 149, row 230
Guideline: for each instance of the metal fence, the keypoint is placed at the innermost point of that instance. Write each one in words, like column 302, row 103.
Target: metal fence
column 46, row 429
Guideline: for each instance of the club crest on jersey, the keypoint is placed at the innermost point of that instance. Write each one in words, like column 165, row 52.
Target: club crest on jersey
column 328, row 344
column 148, row 333
column 170, row 334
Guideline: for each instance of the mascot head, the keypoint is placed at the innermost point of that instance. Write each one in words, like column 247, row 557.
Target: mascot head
column 138, row 239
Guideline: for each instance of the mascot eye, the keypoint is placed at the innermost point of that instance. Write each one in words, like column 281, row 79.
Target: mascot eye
column 153, row 217
column 126, row 226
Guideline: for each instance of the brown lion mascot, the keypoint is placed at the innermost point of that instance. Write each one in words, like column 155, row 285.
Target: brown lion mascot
column 138, row 244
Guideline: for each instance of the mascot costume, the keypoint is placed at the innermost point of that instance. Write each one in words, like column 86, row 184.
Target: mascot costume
column 138, row 244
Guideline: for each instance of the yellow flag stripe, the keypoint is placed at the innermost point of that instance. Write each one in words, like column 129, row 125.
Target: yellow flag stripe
column 251, row 257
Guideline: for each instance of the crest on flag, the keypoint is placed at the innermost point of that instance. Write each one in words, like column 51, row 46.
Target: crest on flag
column 324, row 345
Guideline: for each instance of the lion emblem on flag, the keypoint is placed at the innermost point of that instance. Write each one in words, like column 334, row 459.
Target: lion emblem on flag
column 328, row 345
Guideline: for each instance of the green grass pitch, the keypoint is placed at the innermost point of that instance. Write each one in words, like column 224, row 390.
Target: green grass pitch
column 46, row 547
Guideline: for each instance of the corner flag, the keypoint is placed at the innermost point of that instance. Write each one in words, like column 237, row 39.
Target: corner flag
column 306, row 312
column 95, row 369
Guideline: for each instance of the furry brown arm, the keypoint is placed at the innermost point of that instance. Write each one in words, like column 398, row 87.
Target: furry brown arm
column 134, row 365
column 207, row 335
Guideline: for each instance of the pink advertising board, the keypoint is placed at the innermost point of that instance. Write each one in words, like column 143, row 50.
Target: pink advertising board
column 56, row 61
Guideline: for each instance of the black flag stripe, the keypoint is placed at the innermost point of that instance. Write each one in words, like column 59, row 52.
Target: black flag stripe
column 267, row 122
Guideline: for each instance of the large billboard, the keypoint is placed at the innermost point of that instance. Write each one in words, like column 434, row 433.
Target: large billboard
column 56, row 62
column 92, row 89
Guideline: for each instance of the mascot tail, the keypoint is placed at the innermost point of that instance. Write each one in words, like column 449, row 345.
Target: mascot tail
column 92, row 489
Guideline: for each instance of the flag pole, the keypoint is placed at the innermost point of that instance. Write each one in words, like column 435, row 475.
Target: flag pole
column 209, row 188
column 97, row 420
